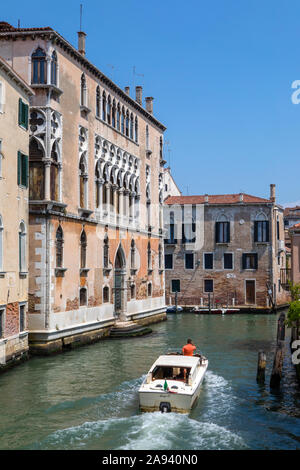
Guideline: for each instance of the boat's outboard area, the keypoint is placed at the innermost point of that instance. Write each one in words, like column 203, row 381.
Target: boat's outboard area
column 165, row 407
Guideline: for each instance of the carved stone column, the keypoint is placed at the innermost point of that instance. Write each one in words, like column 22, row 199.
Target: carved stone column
column 47, row 180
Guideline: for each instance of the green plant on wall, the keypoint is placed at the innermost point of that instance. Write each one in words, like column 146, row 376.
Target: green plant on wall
column 293, row 315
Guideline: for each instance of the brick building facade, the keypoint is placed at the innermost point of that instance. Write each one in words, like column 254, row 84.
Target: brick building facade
column 226, row 247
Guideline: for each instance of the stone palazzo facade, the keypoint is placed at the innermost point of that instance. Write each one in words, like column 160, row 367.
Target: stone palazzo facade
column 14, row 141
column 95, row 194
column 229, row 248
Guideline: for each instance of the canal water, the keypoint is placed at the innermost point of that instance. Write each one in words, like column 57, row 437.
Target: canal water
column 87, row 398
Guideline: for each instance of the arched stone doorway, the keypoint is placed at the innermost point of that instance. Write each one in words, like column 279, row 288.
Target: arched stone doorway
column 120, row 290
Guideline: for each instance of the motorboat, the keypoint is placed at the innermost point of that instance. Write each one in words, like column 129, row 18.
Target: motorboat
column 221, row 311
column 173, row 383
column 174, row 309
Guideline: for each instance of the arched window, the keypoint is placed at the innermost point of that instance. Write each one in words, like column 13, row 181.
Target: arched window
column 36, row 169
column 132, row 254
column 127, row 123
column 113, row 114
column 147, row 137
column 106, row 253
column 131, row 126
column 38, row 67
column 83, row 296
column 1, row 244
column 54, row 183
column 136, row 129
column 160, row 148
column 149, row 289
column 22, row 247
column 97, row 184
column 123, row 121
column 105, row 294
column 82, row 182
column 83, row 247
column 59, row 247
column 109, row 110
column 118, row 116
column 54, row 68
column 149, row 260
column 83, row 91
column 98, row 101
column 104, row 106
column 132, row 291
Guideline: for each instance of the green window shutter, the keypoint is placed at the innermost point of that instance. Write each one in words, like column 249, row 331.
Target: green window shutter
column 26, row 115
column 26, row 170
column 20, row 111
column 19, row 168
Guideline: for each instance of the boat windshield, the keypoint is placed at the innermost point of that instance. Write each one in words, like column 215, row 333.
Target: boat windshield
column 171, row 373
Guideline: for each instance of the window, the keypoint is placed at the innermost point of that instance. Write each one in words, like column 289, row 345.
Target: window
column 59, row 247
column 149, row 257
column 36, row 169
column 39, row 67
column 106, row 253
column 147, row 138
column 22, row 170
column 108, row 114
column 250, row 261
column 228, row 261
column 22, row 318
column 131, row 126
column 278, row 230
column 123, row 121
column 1, row 244
column 118, row 117
column 208, row 260
column 104, row 106
column 189, row 226
column 169, row 261
column 175, row 285
column 22, row 248
column 161, row 148
column 136, row 129
column 208, row 285
column 149, row 289
column 159, row 257
column 113, row 115
column 83, row 296
column 132, row 254
column 189, row 260
column 127, row 124
column 83, row 182
column 222, row 232
column 261, row 231
column 2, row 324
column 83, row 91
column 23, row 114
column 83, row 247
column 54, row 68
column 105, row 294
column 98, row 101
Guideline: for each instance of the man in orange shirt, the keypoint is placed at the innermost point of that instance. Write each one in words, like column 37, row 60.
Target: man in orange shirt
column 189, row 348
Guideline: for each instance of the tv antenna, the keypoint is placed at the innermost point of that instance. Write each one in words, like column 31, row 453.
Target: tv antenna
column 113, row 68
column 136, row 75
column 80, row 17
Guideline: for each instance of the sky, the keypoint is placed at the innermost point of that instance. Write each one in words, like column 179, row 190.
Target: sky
column 221, row 75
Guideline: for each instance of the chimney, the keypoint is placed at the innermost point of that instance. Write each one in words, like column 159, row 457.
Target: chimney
column 149, row 104
column 81, row 42
column 241, row 197
column 272, row 192
column 139, row 95
column 127, row 90
column 205, row 197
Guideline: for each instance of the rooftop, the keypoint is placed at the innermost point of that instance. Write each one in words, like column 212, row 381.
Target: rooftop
column 217, row 199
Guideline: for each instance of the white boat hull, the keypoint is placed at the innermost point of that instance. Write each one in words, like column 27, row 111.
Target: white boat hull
column 179, row 402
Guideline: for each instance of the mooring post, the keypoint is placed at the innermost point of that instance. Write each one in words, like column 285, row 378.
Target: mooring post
column 279, row 353
column 261, row 367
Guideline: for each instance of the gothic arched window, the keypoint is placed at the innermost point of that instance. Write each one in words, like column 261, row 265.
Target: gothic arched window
column 123, row 121
column 83, row 91
column 149, row 260
column 106, row 253
column 109, row 110
column 136, row 129
column 54, row 68
column 132, row 254
column 59, row 247
column 82, row 182
column 98, row 101
column 104, row 106
column 131, row 126
column 127, row 124
column 38, row 66
column 118, row 117
column 83, row 247
column 113, row 114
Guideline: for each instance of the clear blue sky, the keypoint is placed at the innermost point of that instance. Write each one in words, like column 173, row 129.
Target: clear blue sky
column 221, row 74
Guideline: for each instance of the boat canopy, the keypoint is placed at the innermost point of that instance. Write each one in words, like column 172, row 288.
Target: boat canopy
column 176, row 361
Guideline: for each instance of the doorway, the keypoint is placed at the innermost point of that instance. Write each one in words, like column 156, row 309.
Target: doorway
column 120, row 292
column 250, row 292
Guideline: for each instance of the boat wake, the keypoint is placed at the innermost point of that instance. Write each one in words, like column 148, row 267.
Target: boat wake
column 112, row 430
